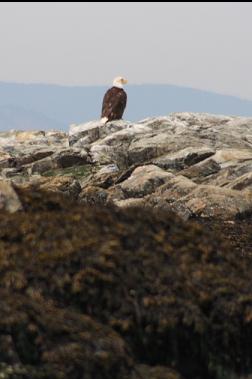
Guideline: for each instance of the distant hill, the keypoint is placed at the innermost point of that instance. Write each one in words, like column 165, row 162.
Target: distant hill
column 14, row 117
column 40, row 106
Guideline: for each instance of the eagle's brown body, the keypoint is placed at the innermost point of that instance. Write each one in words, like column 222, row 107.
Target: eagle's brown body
column 114, row 103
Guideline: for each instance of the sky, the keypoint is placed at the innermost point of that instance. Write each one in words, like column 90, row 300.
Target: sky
column 201, row 45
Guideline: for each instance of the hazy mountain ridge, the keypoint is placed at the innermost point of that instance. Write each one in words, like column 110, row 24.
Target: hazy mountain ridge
column 42, row 106
column 18, row 118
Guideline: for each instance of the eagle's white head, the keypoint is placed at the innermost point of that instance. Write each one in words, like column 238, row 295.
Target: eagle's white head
column 119, row 81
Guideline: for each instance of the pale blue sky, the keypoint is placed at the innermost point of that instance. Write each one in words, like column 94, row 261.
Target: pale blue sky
column 201, row 45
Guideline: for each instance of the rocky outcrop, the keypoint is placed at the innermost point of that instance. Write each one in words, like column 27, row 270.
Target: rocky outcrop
column 208, row 157
column 213, row 152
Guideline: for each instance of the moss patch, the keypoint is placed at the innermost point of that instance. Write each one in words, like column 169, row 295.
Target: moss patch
column 75, row 171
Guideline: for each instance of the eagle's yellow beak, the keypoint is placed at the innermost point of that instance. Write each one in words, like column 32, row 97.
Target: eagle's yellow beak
column 125, row 81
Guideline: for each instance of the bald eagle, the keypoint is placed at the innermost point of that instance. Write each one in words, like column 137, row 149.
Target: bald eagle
column 114, row 101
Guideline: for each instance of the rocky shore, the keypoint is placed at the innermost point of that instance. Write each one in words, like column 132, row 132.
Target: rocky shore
column 126, row 250
column 198, row 165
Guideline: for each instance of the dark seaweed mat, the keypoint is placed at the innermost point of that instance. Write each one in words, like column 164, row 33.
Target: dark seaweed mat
column 169, row 293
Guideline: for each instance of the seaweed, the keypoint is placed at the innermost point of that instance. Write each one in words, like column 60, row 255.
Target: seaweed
column 170, row 293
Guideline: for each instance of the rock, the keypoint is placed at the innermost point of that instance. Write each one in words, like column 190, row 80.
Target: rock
column 11, row 172
column 220, row 203
column 113, row 127
column 6, row 160
column 113, row 149
column 93, row 195
column 154, row 202
column 183, row 158
column 93, row 131
column 104, row 178
column 69, row 158
column 167, row 197
column 115, row 194
column 56, row 137
column 89, row 130
column 176, row 187
column 230, row 173
column 9, row 200
column 145, row 148
column 66, row 185
column 29, row 155
column 144, row 180
column 109, row 169
column 201, row 170
column 164, row 203
column 126, row 134
column 40, row 167
column 242, row 182
column 228, row 157
column 131, row 203
column 214, row 130
column 62, row 159
column 102, row 154
column 22, row 136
